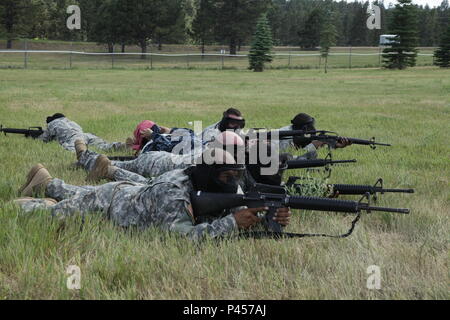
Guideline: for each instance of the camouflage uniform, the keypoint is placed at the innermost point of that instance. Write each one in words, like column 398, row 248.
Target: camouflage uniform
column 163, row 203
column 66, row 132
column 147, row 165
column 88, row 158
column 286, row 144
column 179, row 141
column 210, row 132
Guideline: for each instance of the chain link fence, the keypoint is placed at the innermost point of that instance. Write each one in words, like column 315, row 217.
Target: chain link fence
column 284, row 58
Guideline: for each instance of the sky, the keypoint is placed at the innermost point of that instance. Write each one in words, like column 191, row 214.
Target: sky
column 431, row 3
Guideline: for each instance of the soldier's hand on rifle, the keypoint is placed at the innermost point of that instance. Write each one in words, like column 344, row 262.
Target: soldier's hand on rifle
column 342, row 143
column 247, row 218
column 283, row 216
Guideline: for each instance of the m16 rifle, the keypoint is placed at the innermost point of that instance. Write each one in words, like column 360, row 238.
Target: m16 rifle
column 332, row 140
column 350, row 189
column 31, row 132
column 326, row 163
column 214, row 204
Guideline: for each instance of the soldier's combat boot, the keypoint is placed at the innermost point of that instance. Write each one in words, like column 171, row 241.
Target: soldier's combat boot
column 37, row 180
column 129, row 143
column 48, row 201
column 80, row 147
column 100, row 170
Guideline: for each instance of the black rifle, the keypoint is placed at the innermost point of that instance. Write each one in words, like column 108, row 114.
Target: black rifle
column 333, row 140
column 314, row 163
column 214, row 204
column 282, row 134
column 350, row 189
column 33, row 132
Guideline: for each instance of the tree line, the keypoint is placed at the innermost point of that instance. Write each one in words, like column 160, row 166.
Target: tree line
column 299, row 23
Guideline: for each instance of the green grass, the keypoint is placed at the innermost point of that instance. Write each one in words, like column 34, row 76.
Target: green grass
column 409, row 109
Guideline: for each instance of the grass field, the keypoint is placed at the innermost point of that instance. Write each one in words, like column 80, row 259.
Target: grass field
column 410, row 109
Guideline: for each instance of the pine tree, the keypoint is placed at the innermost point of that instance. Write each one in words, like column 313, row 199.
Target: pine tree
column 442, row 54
column 402, row 53
column 310, row 34
column 328, row 36
column 261, row 45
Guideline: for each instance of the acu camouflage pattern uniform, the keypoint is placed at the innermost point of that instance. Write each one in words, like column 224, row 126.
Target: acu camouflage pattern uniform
column 210, row 132
column 66, row 132
column 147, row 165
column 163, row 203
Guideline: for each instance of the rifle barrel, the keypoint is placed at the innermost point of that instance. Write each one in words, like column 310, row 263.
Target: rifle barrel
column 394, row 210
column 314, row 163
column 362, row 189
column 398, row 190
column 342, row 161
column 17, row 131
column 367, row 142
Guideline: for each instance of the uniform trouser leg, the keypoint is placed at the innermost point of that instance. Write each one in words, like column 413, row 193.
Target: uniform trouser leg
column 87, row 159
column 101, row 144
column 131, row 166
column 125, row 175
column 147, row 165
column 84, row 200
column 68, row 142
column 59, row 190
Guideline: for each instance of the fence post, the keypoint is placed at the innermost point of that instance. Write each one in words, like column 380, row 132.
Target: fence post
column 25, row 57
column 320, row 60
column 350, row 58
column 289, row 61
column 112, row 58
column 223, row 60
column 70, row 56
column 187, row 60
column 379, row 57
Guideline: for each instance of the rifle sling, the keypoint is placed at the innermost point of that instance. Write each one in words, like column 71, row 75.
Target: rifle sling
column 284, row 235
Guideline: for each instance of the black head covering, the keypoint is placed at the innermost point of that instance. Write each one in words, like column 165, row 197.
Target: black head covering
column 303, row 121
column 54, row 117
column 205, row 177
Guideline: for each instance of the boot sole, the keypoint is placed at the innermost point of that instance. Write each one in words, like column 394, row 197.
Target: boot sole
column 100, row 169
column 30, row 176
column 36, row 184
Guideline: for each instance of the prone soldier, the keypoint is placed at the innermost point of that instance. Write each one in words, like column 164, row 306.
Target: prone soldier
column 164, row 203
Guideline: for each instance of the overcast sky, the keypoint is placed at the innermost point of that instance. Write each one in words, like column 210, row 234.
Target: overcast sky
column 431, row 3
